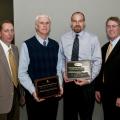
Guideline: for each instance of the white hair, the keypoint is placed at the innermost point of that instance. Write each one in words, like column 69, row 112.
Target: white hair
column 41, row 16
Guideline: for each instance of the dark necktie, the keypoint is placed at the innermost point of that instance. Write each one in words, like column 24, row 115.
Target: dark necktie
column 44, row 43
column 75, row 50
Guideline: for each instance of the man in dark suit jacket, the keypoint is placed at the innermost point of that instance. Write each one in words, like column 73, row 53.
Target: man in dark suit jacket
column 9, row 93
column 108, row 81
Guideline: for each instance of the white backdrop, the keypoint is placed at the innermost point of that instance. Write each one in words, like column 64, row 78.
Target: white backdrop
column 96, row 13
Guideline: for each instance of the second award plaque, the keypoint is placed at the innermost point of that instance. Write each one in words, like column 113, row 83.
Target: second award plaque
column 79, row 69
column 47, row 87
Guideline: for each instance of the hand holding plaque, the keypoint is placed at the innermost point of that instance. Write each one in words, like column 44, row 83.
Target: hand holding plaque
column 47, row 87
column 79, row 70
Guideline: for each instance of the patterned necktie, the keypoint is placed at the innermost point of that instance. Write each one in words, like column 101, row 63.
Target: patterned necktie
column 13, row 67
column 108, row 51
column 44, row 43
column 75, row 50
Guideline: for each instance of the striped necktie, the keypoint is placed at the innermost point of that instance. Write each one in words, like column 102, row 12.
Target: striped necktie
column 13, row 67
column 44, row 43
column 75, row 50
column 110, row 47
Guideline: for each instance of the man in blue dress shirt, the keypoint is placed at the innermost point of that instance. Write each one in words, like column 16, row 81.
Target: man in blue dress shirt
column 38, row 59
column 79, row 94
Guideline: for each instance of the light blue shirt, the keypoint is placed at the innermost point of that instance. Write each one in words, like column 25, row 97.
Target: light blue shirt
column 114, row 42
column 89, row 49
column 24, row 61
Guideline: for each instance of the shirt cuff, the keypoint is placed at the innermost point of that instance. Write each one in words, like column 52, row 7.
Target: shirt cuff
column 89, row 81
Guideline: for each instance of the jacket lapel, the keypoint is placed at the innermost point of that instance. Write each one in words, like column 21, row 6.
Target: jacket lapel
column 115, row 50
column 4, row 61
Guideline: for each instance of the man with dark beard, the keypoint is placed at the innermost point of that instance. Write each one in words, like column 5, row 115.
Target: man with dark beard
column 78, row 93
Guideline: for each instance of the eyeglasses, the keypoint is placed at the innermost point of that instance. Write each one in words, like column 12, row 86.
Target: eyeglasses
column 112, row 26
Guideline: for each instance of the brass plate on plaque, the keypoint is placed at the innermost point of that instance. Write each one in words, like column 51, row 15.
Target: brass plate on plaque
column 79, row 70
column 47, row 87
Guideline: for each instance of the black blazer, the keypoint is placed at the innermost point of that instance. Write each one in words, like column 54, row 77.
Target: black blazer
column 111, row 70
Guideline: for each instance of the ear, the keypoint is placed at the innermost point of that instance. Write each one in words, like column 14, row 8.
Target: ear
column 0, row 34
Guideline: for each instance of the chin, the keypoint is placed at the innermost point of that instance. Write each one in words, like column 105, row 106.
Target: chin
column 77, row 30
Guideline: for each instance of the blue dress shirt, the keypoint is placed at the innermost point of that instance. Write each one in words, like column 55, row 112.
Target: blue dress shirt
column 89, row 49
column 24, row 60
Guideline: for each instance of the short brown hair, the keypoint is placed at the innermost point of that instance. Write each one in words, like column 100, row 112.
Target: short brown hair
column 80, row 13
column 116, row 19
column 5, row 21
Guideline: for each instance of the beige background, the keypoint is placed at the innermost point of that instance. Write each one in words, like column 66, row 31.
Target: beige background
column 96, row 12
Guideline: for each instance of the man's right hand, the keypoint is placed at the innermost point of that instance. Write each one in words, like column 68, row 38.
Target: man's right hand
column 36, row 97
column 66, row 79
column 98, row 96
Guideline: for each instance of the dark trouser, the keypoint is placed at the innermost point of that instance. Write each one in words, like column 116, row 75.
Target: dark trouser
column 111, row 111
column 78, row 101
column 14, row 114
column 45, row 110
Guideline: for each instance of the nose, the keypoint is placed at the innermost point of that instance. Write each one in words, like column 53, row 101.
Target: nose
column 77, row 22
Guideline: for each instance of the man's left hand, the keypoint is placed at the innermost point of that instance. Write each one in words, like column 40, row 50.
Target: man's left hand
column 118, row 102
column 81, row 82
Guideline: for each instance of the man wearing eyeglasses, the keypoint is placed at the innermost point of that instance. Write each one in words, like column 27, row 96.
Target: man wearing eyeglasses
column 108, row 81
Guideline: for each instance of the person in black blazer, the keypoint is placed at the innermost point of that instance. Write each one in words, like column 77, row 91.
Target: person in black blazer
column 108, row 80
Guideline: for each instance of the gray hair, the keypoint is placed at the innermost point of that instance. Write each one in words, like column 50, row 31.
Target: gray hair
column 41, row 16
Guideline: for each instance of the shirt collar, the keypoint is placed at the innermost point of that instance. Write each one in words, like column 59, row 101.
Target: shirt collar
column 5, row 47
column 40, row 39
column 80, row 34
column 114, row 42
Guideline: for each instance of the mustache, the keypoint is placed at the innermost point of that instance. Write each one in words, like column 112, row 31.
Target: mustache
column 77, row 26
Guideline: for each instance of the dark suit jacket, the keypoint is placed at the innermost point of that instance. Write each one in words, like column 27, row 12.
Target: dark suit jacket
column 111, row 70
column 6, row 85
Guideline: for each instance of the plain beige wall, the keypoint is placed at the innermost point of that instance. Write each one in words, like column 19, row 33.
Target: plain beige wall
column 96, row 12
